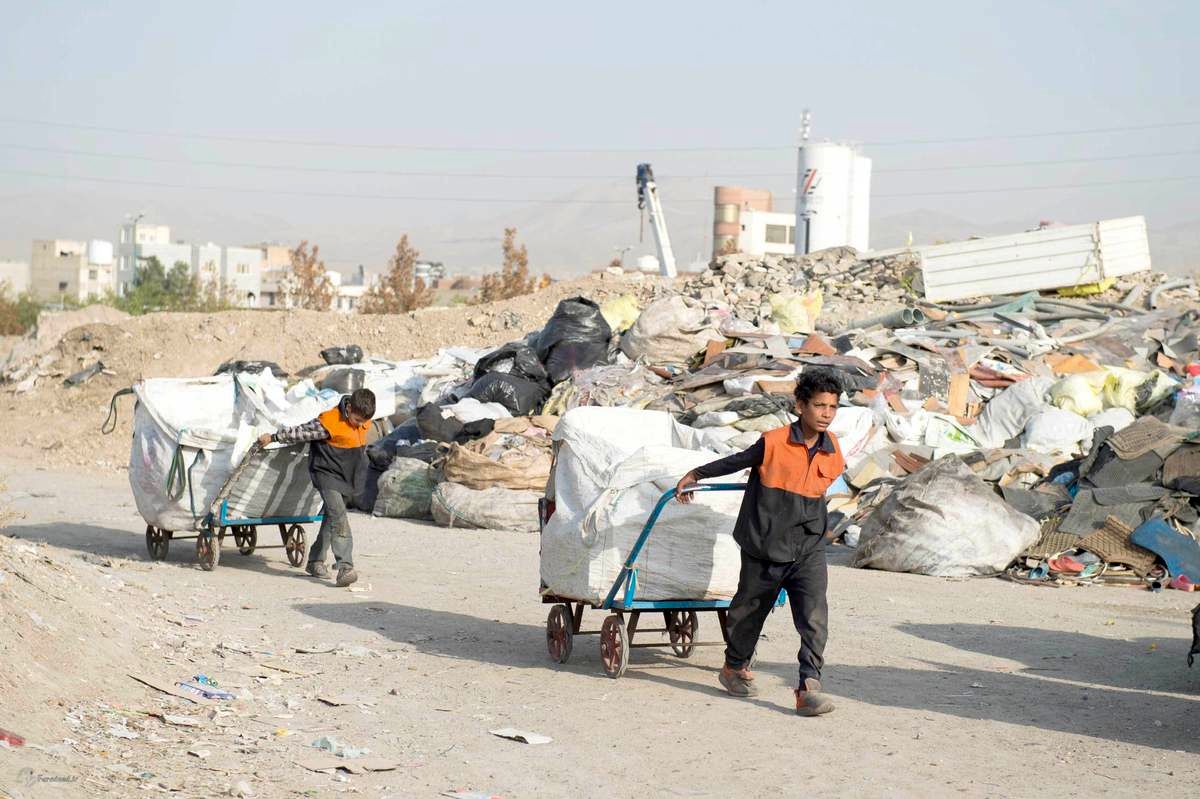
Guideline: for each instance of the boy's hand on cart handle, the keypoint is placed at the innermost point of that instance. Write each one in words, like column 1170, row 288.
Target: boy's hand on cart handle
column 687, row 481
column 265, row 439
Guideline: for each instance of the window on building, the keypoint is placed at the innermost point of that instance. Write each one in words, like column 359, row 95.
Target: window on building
column 778, row 234
column 92, row 274
column 791, row 234
column 62, row 285
column 243, row 269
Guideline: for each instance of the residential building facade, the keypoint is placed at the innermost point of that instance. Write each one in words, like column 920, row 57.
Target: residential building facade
column 67, row 270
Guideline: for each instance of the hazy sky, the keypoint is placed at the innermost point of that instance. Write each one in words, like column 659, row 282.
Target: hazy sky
column 304, row 120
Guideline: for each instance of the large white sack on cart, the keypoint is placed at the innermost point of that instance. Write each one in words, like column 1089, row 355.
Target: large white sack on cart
column 611, row 467
column 189, row 434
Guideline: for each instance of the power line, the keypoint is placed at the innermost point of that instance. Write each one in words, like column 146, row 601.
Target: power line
column 1172, row 179
column 528, row 176
column 552, row 201
column 577, row 150
column 325, row 194
column 376, row 145
column 1040, row 135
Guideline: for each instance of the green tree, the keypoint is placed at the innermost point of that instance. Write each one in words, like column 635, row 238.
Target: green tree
column 18, row 315
column 156, row 288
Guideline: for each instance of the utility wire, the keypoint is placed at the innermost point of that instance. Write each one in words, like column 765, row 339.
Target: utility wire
column 500, row 149
column 552, row 201
column 527, row 176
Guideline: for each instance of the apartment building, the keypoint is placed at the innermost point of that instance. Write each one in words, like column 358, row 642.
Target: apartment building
column 66, row 270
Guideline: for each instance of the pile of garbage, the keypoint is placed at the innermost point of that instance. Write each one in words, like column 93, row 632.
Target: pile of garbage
column 1058, row 428
column 1010, row 409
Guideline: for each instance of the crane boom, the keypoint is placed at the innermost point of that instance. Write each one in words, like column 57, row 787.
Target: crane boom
column 648, row 198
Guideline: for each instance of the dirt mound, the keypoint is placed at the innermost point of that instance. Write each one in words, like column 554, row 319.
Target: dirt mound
column 56, row 611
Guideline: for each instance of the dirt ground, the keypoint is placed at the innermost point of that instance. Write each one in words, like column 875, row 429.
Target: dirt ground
column 975, row 687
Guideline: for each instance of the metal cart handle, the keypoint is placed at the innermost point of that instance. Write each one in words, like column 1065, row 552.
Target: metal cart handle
column 628, row 574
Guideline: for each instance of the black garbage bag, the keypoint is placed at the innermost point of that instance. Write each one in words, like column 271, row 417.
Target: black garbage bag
column 433, row 426
column 365, row 501
column 520, row 396
column 576, row 337
column 380, row 453
column 343, row 381
column 351, row 353
column 253, row 367
column 516, row 358
column 1195, row 650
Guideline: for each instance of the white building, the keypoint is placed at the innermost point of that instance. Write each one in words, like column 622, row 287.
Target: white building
column 128, row 250
column 70, row 270
column 766, row 233
column 237, row 272
column 242, row 275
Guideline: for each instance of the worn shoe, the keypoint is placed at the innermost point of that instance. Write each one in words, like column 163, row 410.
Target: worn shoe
column 316, row 569
column 346, row 576
column 810, row 701
column 738, row 682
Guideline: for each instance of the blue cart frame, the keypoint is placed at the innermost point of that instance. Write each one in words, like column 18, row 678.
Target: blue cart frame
column 680, row 616
column 214, row 527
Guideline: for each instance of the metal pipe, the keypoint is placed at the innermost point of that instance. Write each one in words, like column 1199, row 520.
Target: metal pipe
column 1134, row 296
column 901, row 317
column 1168, row 286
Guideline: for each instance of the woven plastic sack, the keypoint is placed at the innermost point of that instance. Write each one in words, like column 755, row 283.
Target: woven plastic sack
column 405, row 490
column 522, row 467
column 669, row 331
column 455, row 505
column 945, row 522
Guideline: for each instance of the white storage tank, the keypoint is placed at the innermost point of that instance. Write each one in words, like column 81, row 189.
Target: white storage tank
column 833, row 197
column 100, row 252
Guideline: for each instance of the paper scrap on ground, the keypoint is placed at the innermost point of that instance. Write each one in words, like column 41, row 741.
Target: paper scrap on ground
column 331, row 763
column 524, row 737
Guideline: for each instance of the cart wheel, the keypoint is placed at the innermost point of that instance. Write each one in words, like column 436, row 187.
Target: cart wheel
column 293, row 542
column 614, row 646
column 157, row 542
column 559, row 633
column 208, row 550
column 683, row 629
column 246, row 538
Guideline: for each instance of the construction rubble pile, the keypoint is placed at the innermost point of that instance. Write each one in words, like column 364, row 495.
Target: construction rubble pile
column 1051, row 438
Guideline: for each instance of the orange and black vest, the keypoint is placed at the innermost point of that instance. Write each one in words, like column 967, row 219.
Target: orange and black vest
column 339, row 463
column 785, row 495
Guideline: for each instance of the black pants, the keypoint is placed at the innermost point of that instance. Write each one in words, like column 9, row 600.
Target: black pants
column 805, row 581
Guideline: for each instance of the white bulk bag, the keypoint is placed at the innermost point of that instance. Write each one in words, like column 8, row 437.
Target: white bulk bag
column 611, row 467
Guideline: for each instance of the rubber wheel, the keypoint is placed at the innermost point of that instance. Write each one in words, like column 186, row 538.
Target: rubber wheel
column 294, row 543
column 559, row 633
column 157, row 542
column 683, row 628
column 614, row 646
column 246, row 538
column 208, row 550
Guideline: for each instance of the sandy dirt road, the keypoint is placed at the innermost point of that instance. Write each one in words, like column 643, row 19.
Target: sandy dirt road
column 975, row 688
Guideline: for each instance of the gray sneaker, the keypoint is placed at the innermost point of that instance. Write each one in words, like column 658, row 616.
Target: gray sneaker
column 346, row 576
column 317, row 569
column 738, row 683
column 810, row 701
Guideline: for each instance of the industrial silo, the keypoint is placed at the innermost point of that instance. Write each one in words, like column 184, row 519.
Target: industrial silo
column 833, row 197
